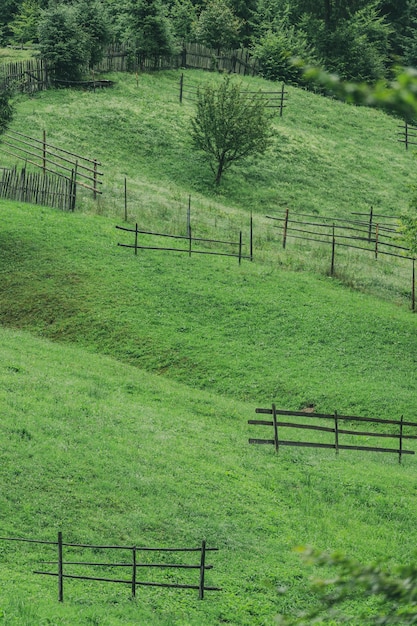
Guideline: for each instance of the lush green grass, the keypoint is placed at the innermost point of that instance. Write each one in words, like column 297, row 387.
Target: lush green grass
column 126, row 382
column 11, row 55
column 111, row 454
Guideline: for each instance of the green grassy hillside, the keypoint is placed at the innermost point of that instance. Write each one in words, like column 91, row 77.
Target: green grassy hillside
column 126, row 382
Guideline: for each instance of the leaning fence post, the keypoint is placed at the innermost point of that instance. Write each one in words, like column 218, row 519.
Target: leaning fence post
column 202, row 571
column 60, row 569
column 376, row 240
column 400, row 451
column 336, row 432
column 274, row 419
column 134, row 571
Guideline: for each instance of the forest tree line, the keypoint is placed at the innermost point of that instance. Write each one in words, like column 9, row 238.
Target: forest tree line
column 361, row 40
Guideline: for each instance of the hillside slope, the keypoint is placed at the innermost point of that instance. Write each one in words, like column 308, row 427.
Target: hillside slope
column 126, row 382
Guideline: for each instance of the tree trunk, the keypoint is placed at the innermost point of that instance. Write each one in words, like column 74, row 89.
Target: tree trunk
column 220, row 169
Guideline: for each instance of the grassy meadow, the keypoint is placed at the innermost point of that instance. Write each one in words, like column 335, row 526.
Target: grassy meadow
column 126, row 382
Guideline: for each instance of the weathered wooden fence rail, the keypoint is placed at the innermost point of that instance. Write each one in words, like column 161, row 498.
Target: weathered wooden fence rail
column 133, row 565
column 334, row 429
column 273, row 99
column 189, row 239
column 371, row 235
column 38, row 188
column 50, row 158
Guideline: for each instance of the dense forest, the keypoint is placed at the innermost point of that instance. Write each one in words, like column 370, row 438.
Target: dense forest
column 357, row 39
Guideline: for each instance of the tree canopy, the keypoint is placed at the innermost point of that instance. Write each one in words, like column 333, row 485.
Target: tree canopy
column 229, row 125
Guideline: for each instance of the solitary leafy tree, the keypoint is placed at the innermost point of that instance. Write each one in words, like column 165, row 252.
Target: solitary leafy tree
column 229, row 125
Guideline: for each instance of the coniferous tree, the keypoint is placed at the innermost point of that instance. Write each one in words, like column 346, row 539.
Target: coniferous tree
column 147, row 29
column 62, row 42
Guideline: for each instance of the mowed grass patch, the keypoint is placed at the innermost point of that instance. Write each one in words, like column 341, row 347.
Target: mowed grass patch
column 112, row 455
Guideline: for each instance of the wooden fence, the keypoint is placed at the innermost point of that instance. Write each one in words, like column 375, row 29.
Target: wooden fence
column 371, row 235
column 408, row 135
column 50, row 158
column 273, row 99
column 119, row 58
column 133, row 565
column 334, row 429
column 38, row 188
column 189, row 239
column 26, row 76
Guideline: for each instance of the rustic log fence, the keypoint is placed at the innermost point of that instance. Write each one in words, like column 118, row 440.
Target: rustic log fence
column 370, row 235
column 51, row 190
column 335, row 429
column 32, row 75
column 133, row 565
column 189, row 238
column 408, row 135
column 121, row 58
column 27, row 76
column 55, row 160
column 273, row 99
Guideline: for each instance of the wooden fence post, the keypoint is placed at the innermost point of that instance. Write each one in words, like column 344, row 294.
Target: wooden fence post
column 125, row 199
column 376, row 240
column 134, row 571
column 370, row 224
column 202, row 571
column 333, row 252
column 189, row 241
column 189, row 216
column 406, row 135
column 181, row 86
column 44, row 152
column 282, row 100
column 284, row 234
column 251, row 235
column 336, row 432
column 274, row 419
column 60, row 569
column 95, row 178
column 136, row 238
column 413, row 288
column 400, row 452
column 240, row 247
